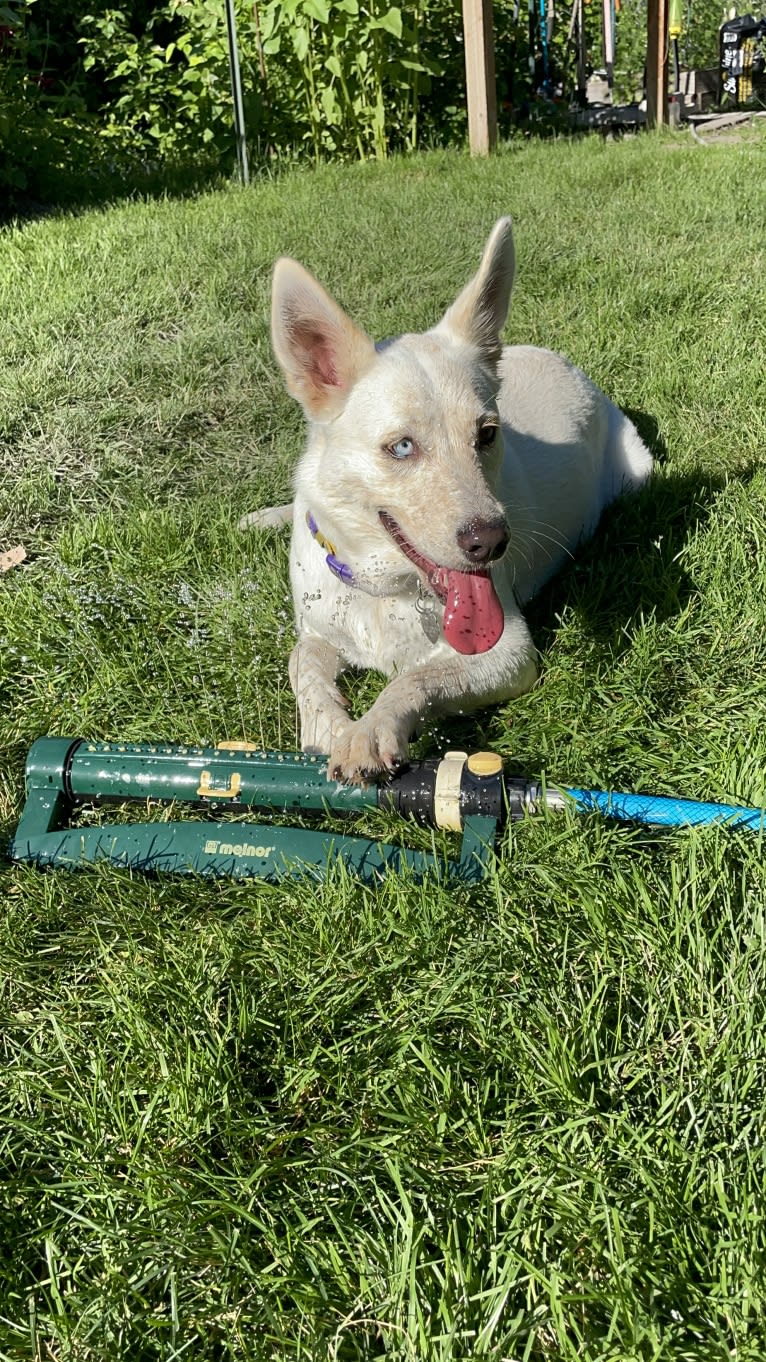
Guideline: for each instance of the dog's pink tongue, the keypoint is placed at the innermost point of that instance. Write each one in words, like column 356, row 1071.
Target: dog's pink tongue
column 473, row 616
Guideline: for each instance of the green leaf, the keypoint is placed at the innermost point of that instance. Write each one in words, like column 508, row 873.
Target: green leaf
column 317, row 9
column 329, row 104
column 391, row 22
column 300, row 42
column 269, row 22
column 333, row 65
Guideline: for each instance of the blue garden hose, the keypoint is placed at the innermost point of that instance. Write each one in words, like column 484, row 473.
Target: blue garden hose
column 659, row 810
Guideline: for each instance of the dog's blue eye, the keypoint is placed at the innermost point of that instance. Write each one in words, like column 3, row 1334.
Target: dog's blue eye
column 403, row 448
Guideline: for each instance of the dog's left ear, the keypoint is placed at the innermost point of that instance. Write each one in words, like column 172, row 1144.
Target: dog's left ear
column 478, row 313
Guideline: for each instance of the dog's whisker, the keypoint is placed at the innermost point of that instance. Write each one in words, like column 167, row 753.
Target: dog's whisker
column 536, row 535
column 537, row 540
column 519, row 550
column 534, row 523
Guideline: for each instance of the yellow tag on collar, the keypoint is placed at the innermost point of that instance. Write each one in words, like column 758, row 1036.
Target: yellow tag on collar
column 317, row 534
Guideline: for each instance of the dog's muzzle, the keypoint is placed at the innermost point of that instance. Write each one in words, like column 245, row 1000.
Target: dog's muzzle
column 473, row 615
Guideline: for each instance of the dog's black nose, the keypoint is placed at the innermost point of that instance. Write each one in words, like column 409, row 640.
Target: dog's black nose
column 483, row 540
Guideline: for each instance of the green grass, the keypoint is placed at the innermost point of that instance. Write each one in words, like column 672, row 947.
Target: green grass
column 518, row 1122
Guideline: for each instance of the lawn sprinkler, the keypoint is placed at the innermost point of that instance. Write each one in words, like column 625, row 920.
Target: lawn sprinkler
column 469, row 794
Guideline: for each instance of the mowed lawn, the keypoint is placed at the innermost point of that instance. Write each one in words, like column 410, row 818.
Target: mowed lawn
column 309, row 1121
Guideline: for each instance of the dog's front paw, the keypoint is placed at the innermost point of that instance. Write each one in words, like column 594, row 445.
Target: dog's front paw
column 366, row 751
column 321, row 731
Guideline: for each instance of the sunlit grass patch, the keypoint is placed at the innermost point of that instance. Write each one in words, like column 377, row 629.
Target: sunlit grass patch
column 519, row 1121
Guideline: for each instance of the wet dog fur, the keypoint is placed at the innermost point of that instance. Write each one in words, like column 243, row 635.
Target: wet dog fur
column 449, row 447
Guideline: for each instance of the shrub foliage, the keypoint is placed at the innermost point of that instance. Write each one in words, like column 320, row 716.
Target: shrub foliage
column 92, row 94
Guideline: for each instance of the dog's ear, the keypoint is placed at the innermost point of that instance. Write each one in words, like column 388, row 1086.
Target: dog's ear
column 321, row 351
column 478, row 313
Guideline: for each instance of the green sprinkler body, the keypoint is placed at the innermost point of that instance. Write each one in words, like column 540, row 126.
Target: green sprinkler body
column 458, row 792
column 468, row 794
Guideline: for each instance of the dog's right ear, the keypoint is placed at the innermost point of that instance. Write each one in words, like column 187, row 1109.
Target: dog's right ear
column 322, row 352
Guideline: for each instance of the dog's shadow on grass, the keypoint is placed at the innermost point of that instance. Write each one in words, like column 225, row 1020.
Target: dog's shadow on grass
column 631, row 569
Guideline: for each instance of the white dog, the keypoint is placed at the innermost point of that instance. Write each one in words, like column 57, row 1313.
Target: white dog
column 444, row 480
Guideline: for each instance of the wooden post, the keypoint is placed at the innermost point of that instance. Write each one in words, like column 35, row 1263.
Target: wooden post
column 657, row 63
column 480, row 75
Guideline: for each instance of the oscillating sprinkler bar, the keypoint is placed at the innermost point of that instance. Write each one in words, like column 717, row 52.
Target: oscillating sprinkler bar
column 465, row 793
column 236, row 774
column 63, row 774
column 441, row 792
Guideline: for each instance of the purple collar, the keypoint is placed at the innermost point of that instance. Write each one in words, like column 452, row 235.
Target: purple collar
column 341, row 570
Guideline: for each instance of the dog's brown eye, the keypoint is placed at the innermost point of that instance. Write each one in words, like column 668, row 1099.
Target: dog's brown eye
column 486, row 436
